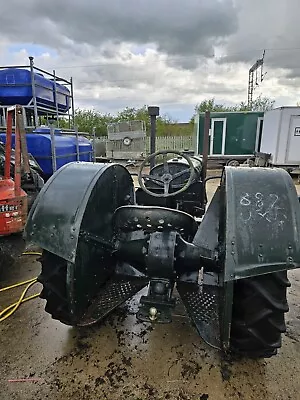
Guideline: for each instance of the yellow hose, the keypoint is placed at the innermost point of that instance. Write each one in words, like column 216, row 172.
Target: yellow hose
column 18, row 284
column 32, row 253
column 8, row 311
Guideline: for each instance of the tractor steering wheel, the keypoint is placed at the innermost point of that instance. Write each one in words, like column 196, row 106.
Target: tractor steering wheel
column 166, row 179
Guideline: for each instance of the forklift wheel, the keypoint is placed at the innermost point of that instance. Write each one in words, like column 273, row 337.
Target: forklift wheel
column 258, row 315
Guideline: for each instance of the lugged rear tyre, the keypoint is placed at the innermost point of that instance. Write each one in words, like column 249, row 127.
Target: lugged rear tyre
column 54, row 280
column 258, row 315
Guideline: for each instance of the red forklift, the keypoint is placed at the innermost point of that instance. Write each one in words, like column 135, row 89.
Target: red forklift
column 13, row 199
column 20, row 182
column 20, row 175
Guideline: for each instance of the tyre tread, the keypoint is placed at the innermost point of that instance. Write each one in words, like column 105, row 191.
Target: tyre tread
column 258, row 320
column 53, row 277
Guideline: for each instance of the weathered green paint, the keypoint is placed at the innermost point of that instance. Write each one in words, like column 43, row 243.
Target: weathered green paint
column 262, row 222
column 259, row 229
column 75, row 205
column 241, row 131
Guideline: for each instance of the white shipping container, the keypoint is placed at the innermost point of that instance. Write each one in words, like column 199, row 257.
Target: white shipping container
column 281, row 136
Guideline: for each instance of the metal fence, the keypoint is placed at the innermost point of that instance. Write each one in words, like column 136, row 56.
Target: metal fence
column 178, row 143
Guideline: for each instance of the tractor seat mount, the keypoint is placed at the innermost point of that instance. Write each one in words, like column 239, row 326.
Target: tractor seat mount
column 152, row 219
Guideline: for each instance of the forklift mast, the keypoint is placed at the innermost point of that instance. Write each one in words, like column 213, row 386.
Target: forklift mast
column 13, row 199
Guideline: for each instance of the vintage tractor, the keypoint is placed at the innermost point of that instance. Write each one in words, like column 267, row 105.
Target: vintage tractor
column 103, row 242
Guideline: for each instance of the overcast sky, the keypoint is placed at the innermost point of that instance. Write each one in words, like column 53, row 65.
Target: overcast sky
column 171, row 53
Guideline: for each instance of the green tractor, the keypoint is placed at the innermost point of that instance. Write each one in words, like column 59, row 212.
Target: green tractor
column 103, row 241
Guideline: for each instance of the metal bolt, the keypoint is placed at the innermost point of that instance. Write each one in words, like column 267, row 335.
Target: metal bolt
column 153, row 314
column 232, row 242
column 232, row 252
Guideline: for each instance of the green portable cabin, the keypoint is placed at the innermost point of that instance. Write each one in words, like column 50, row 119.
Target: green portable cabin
column 232, row 134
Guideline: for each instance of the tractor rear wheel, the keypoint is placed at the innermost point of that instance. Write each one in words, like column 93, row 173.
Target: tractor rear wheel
column 258, row 314
column 54, row 280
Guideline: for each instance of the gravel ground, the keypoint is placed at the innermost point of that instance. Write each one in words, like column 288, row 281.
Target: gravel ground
column 125, row 359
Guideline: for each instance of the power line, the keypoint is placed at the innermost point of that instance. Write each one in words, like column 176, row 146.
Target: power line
column 130, row 98
column 101, row 82
column 85, row 99
column 112, row 81
column 177, row 58
column 141, row 81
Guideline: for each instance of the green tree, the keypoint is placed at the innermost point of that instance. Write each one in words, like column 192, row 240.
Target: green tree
column 262, row 104
column 259, row 104
column 130, row 113
column 141, row 114
column 85, row 120
column 210, row 105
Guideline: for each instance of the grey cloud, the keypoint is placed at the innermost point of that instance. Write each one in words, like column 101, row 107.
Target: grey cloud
column 155, row 77
column 294, row 73
column 271, row 25
column 292, row 81
column 185, row 33
column 175, row 27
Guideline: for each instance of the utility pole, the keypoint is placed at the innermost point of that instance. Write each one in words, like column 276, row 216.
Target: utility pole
column 253, row 70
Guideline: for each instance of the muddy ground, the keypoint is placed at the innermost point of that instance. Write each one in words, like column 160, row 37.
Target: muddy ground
column 124, row 359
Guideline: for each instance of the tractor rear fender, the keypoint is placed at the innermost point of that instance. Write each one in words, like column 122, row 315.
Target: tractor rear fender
column 261, row 225
column 259, row 230
column 78, row 197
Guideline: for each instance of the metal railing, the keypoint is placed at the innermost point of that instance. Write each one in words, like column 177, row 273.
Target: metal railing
column 33, row 112
column 180, row 143
column 77, row 134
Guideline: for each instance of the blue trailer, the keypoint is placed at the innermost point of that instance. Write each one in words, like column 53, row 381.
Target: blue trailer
column 45, row 98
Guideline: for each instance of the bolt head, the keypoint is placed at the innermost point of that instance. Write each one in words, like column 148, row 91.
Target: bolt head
column 153, row 313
